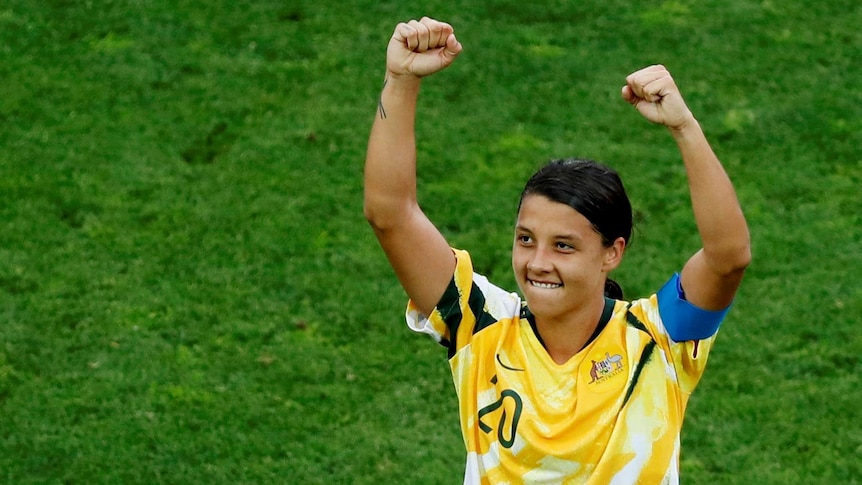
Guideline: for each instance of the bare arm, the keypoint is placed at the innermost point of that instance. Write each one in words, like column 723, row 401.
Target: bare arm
column 417, row 251
column 713, row 274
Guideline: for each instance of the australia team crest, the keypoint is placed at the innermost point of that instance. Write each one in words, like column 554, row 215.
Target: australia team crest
column 601, row 368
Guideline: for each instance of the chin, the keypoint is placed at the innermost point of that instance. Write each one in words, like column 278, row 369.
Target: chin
column 541, row 301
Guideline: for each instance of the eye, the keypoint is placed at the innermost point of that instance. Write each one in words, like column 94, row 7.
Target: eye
column 565, row 247
column 524, row 239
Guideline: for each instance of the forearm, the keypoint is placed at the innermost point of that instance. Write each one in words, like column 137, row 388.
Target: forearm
column 390, row 164
column 717, row 212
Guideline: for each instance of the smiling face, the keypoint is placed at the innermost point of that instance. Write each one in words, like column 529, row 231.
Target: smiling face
column 559, row 259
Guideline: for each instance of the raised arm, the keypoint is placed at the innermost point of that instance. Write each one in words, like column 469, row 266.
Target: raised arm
column 712, row 275
column 420, row 255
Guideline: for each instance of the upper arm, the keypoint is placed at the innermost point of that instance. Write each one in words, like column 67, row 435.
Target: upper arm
column 422, row 259
column 707, row 288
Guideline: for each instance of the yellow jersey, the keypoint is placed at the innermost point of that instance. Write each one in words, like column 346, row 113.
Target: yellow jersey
column 612, row 414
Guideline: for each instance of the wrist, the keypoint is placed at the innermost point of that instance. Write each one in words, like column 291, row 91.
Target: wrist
column 688, row 125
column 400, row 86
column 401, row 80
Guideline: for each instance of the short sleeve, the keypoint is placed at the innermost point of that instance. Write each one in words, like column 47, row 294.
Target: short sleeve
column 445, row 319
column 687, row 357
column 469, row 304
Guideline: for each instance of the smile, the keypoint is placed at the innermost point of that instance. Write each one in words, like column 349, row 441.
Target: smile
column 548, row 286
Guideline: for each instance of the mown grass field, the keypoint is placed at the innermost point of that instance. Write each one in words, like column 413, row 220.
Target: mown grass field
column 189, row 292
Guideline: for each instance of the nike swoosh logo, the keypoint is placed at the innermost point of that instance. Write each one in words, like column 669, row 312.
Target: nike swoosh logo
column 509, row 367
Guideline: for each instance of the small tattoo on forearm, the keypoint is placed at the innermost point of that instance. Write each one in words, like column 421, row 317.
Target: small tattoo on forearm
column 380, row 109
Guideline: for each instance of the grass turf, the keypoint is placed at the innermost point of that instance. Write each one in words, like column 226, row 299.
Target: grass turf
column 189, row 293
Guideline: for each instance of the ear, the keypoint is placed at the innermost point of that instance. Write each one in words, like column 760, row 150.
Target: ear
column 614, row 255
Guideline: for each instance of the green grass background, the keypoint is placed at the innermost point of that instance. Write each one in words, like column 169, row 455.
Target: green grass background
column 189, row 292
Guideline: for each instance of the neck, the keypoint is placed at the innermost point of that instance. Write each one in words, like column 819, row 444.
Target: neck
column 567, row 335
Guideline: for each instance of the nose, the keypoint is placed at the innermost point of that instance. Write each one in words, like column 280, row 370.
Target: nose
column 539, row 261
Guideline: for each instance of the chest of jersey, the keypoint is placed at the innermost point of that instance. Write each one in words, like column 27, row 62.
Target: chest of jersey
column 522, row 410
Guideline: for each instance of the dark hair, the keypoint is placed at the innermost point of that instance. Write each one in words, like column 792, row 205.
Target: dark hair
column 595, row 191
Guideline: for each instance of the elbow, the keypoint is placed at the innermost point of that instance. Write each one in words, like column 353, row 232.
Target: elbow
column 381, row 215
column 373, row 207
column 742, row 259
column 373, row 216
column 742, row 253
column 368, row 212
column 731, row 260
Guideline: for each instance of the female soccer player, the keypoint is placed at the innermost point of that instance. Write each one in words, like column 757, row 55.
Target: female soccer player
column 566, row 385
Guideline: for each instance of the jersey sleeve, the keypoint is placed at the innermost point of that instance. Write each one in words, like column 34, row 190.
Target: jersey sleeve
column 469, row 304
column 687, row 358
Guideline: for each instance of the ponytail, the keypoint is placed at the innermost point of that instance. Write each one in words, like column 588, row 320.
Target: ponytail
column 613, row 290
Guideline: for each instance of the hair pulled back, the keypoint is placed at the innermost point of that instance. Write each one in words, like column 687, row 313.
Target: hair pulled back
column 595, row 191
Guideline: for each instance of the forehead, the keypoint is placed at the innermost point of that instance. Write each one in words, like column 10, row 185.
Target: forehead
column 540, row 215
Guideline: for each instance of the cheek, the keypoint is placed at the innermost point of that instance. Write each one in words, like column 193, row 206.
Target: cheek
column 516, row 263
column 519, row 261
column 515, row 254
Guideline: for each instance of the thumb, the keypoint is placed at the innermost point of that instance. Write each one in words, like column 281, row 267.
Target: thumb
column 629, row 95
column 452, row 48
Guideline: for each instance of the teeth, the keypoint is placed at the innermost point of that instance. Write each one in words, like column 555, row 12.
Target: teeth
column 545, row 285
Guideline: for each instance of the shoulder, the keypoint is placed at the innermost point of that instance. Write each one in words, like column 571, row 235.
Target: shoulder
column 469, row 304
column 474, row 291
column 672, row 315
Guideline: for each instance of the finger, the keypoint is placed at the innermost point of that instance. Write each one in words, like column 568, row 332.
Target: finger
column 423, row 35
column 402, row 31
column 658, row 88
column 407, row 35
column 439, row 32
column 434, row 31
column 638, row 81
column 647, row 71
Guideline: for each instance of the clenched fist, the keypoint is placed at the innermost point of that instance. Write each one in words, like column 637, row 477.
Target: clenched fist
column 421, row 48
column 654, row 93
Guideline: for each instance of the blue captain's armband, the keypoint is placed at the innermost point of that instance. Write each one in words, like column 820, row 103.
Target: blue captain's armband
column 682, row 320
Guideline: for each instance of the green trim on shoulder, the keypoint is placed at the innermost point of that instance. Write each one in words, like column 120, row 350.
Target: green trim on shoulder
column 476, row 302
column 634, row 322
column 449, row 309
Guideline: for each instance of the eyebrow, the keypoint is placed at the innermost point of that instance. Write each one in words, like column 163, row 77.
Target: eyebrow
column 564, row 237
